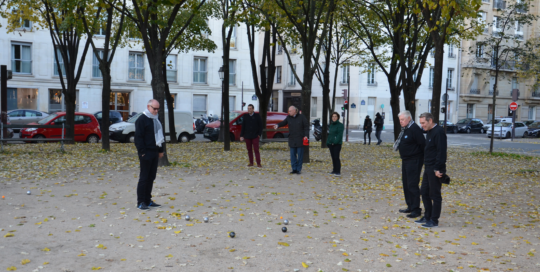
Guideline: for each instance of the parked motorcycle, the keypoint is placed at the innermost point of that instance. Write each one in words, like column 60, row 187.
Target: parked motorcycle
column 317, row 129
column 201, row 123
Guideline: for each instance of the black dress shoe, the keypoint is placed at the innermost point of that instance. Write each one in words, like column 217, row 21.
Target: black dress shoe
column 293, row 172
column 414, row 214
column 405, row 210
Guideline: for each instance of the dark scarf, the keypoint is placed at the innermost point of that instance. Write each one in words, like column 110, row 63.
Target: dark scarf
column 396, row 144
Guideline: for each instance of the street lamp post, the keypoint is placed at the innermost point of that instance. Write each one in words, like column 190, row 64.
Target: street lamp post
column 221, row 76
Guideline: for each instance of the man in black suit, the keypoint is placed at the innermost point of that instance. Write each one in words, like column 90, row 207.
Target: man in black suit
column 411, row 144
column 435, row 168
column 251, row 131
column 148, row 140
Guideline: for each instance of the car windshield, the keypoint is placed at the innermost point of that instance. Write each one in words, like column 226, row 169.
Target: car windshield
column 464, row 121
column 535, row 125
column 134, row 118
column 503, row 124
column 47, row 119
column 233, row 115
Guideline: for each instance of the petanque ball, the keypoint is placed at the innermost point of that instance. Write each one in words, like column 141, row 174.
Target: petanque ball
column 187, row 217
column 284, row 229
column 205, row 220
column 286, row 222
column 232, row 234
column 28, row 192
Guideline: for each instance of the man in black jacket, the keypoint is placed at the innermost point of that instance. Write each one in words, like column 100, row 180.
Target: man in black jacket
column 148, row 140
column 379, row 123
column 298, row 132
column 251, row 131
column 411, row 144
column 435, row 162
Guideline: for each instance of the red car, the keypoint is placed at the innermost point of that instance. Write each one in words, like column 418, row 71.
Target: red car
column 86, row 128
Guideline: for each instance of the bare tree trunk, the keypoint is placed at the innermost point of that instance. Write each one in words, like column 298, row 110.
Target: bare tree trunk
column 437, row 80
column 105, row 100
column 158, row 90
column 170, row 108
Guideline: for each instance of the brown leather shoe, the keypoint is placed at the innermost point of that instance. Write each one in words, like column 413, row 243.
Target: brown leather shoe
column 251, row 164
column 258, row 165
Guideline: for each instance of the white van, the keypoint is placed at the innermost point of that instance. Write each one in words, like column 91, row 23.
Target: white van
column 125, row 131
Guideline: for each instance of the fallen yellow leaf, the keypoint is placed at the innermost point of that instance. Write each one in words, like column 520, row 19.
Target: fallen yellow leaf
column 25, row 261
column 11, row 268
column 305, row 265
column 46, row 250
column 9, row 235
column 283, row 244
column 96, row 268
column 345, row 254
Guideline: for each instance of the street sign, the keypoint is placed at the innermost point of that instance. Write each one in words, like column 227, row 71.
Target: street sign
column 254, row 97
column 363, row 103
column 513, row 106
column 353, row 106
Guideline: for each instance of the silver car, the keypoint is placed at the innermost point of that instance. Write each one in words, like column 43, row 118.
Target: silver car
column 24, row 116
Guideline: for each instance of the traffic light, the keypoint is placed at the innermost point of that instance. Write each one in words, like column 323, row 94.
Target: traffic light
column 510, row 112
column 443, row 109
column 346, row 105
column 344, row 94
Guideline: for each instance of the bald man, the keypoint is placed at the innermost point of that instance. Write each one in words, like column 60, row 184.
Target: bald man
column 298, row 131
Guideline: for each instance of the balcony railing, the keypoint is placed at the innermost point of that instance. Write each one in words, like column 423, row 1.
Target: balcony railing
column 474, row 91
column 535, row 94
column 491, row 93
column 451, row 55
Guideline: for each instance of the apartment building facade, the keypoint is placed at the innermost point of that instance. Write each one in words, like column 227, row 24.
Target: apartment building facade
column 478, row 72
column 193, row 76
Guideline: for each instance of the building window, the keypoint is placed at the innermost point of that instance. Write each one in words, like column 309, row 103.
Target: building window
column 314, row 107
column 490, row 112
column 199, row 71
column 232, row 103
column 199, row 105
column 496, row 24
column 515, row 84
column 21, row 58
column 470, row 110
column 22, row 98
column 233, row 36
column 292, row 79
column 482, row 20
column 61, row 60
column 345, row 74
column 451, row 51
column 119, row 101
column 96, row 72
column 278, row 74
column 57, row 103
column 136, row 66
column 519, row 31
column 171, row 68
column 449, row 76
column 479, row 50
column 532, row 111
column 294, row 49
column 232, row 72
column 371, row 74
column 174, row 101
column 431, row 77
column 279, row 49
column 371, row 107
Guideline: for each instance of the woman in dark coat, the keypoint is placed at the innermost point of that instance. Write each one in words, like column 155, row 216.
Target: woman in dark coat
column 335, row 139
column 368, row 128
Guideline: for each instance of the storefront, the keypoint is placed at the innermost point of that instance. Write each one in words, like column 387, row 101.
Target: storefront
column 57, row 103
column 119, row 101
column 22, row 98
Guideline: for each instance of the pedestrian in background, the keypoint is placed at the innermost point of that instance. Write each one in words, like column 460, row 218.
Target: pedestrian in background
column 379, row 123
column 435, row 168
column 334, row 141
column 298, row 132
column 251, row 131
column 411, row 144
column 148, row 140
column 368, row 128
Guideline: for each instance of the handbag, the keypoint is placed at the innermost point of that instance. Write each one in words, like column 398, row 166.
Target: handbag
column 445, row 179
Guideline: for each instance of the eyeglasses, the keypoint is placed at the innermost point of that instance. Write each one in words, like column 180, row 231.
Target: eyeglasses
column 154, row 108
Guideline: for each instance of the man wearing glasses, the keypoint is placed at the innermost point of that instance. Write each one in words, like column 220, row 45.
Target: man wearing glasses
column 148, row 140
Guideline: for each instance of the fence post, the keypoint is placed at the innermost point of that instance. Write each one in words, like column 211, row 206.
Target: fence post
column 62, row 141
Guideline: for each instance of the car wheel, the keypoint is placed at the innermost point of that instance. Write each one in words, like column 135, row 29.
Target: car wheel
column 482, row 131
column 468, row 131
column 130, row 138
column 278, row 136
column 92, row 139
column 525, row 134
column 39, row 137
column 183, row 138
column 455, row 130
column 508, row 135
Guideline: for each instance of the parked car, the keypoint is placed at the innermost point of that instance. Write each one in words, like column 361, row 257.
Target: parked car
column 450, row 127
column 528, row 122
column 469, row 125
column 504, row 130
column 534, row 129
column 114, row 117
column 125, row 131
column 86, row 128
column 211, row 131
column 24, row 116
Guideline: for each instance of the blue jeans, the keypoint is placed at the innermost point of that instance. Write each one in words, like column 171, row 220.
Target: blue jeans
column 297, row 157
column 378, row 135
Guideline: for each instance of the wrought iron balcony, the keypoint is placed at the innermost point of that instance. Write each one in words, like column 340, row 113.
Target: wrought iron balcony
column 474, row 91
column 491, row 92
column 535, row 94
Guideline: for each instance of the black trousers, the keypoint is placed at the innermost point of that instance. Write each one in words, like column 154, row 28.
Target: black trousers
column 378, row 135
column 431, row 194
column 367, row 133
column 335, row 149
column 410, row 174
column 146, row 179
